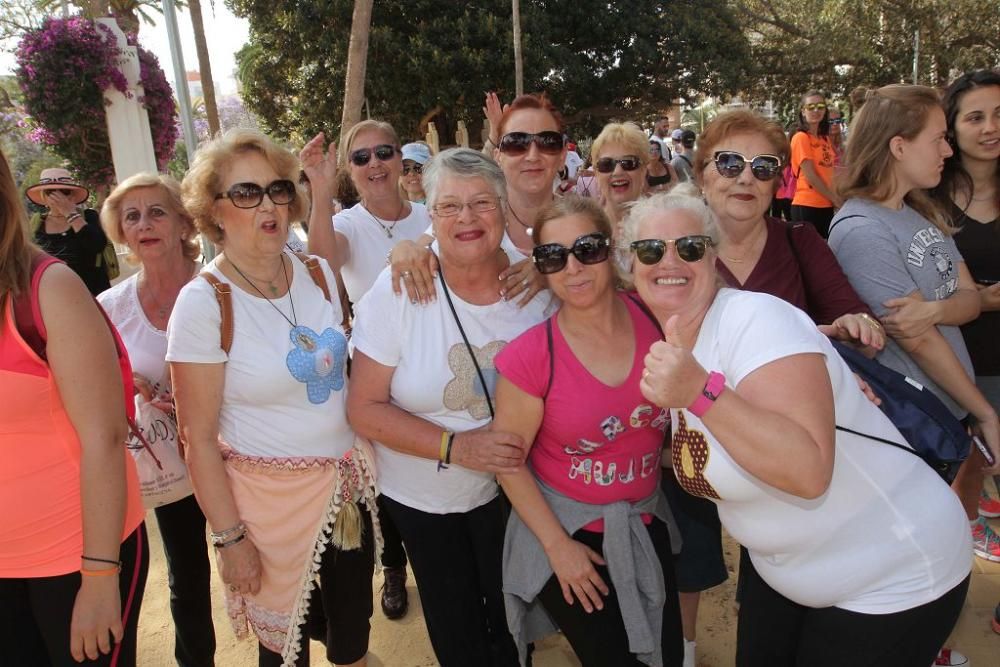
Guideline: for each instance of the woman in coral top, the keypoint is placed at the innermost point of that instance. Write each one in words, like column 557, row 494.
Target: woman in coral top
column 73, row 552
column 813, row 158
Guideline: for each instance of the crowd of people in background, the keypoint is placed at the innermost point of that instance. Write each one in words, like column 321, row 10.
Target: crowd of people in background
column 567, row 374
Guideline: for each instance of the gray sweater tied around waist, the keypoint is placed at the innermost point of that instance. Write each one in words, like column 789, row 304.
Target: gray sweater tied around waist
column 630, row 556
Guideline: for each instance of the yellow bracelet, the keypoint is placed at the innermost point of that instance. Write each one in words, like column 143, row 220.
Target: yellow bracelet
column 109, row 572
column 444, row 445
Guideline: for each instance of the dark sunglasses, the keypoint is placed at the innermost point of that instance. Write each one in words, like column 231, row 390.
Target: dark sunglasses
column 58, row 179
column 606, row 165
column 763, row 167
column 382, row 152
column 549, row 142
column 689, row 248
column 814, row 106
column 588, row 249
column 250, row 195
column 416, row 169
column 64, row 193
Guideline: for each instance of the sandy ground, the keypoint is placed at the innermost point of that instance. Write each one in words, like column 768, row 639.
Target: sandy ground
column 404, row 643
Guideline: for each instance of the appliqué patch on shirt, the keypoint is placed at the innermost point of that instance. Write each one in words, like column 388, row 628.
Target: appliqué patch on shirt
column 689, row 453
column 465, row 391
column 317, row 361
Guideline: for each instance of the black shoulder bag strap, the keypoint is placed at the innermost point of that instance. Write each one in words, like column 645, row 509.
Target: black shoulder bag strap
column 840, row 220
column 552, row 357
column 468, row 345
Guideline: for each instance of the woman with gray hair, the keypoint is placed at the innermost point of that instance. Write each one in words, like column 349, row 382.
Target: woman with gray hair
column 422, row 389
column 858, row 551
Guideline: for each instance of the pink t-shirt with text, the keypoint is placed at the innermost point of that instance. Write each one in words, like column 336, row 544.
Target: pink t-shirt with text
column 596, row 444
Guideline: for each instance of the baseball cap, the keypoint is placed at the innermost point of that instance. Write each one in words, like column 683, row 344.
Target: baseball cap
column 677, row 134
column 417, row 152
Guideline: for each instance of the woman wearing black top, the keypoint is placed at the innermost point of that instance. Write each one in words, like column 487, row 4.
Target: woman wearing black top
column 66, row 232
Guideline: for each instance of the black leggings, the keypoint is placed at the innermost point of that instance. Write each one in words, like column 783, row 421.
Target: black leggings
column 599, row 638
column 340, row 607
column 817, row 217
column 773, row 631
column 35, row 613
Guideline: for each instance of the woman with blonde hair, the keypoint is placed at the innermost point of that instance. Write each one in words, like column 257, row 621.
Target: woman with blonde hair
column 896, row 247
column 257, row 354
column 620, row 155
column 145, row 214
column 73, row 548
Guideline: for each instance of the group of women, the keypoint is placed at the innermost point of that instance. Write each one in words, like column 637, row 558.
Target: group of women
column 550, row 348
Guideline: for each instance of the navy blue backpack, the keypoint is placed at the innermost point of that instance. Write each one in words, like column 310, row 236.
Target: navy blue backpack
column 934, row 434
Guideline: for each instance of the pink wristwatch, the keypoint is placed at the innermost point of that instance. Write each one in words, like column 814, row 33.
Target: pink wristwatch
column 713, row 388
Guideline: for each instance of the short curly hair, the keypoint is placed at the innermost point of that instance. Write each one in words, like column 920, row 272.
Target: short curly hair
column 111, row 211
column 204, row 179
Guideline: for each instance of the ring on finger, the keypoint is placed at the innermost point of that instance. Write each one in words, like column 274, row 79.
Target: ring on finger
column 525, row 282
column 233, row 587
column 406, row 274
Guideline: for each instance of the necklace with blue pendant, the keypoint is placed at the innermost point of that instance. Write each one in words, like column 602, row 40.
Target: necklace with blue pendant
column 294, row 321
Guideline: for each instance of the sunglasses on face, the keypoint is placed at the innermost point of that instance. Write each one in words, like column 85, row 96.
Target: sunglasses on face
column 588, row 249
column 482, row 204
column 59, row 179
column 763, row 167
column 250, row 195
column 415, row 169
column 814, row 106
column 606, row 165
column 689, row 248
column 549, row 142
column 382, row 152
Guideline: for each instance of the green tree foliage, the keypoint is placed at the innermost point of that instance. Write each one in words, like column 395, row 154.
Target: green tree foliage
column 429, row 59
column 836, row 45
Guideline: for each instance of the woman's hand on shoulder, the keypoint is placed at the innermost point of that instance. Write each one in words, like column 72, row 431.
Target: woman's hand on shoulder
column 521, row 279
column 489, row 451
column 672, row 378
column 415, row 267
column 573, row 564
column 239, row 567
column 96, row 613
column 858, row 329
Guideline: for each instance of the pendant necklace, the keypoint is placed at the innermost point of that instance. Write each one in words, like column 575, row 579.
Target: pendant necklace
column 271, row 287
column 386, row 228
column 527, row 227
column 304, row 340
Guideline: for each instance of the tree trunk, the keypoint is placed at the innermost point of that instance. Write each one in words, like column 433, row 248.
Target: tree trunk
column 357, row 63
column 204, row 67
column 518, row 62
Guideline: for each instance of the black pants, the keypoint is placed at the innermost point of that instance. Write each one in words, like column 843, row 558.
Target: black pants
column 182, row 529
column 340, row 608
column 776, row 632
column 817, row 217
column 457, row 562
column 599, row 638
column 393, row 553
column 35, row 613
column 781, row 208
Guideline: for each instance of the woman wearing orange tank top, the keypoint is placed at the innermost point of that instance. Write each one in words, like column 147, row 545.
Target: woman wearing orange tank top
column 73, row 553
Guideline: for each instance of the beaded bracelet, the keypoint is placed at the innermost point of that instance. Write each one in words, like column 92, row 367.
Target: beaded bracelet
column 223, row 535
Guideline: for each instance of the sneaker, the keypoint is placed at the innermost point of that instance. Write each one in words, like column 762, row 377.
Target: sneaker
column 395, row 601
column 985, row 541
column 951, row 658
column 988, row 507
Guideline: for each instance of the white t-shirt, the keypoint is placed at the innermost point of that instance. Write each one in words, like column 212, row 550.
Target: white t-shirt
column 370, row 244
column 146, row 345
column 573, row 164
column 887, row 535
column 435, row 379
column 285, row 389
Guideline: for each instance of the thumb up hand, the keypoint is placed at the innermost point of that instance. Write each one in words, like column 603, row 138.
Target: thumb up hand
column 672, row 377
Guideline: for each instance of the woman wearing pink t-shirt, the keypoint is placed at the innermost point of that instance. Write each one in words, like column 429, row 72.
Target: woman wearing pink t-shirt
column 570, row 386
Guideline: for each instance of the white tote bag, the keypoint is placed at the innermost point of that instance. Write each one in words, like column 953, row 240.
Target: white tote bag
column 163, row 476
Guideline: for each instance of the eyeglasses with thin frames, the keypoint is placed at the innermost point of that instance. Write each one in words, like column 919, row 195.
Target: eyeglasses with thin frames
column 482, row 204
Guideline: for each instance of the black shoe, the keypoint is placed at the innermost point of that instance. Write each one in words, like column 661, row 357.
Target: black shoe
column 394, row 598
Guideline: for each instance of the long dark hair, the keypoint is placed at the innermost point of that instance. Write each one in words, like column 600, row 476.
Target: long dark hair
column 955, row 177
column 16, row 249
column 824, row 125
